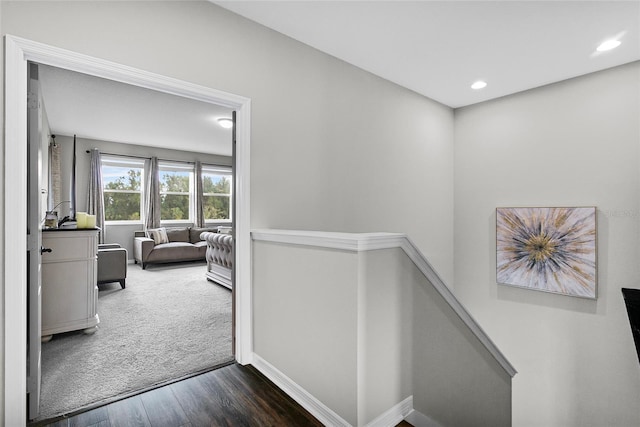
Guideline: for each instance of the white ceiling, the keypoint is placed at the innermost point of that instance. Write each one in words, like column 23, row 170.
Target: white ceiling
column 96, row 108
column 439, row 48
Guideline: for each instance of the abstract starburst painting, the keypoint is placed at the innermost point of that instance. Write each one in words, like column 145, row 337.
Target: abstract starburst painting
column 547, row 249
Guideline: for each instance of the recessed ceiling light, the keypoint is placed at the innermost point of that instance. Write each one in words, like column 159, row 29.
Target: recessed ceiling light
column 479, row 85
column 608, row 45
column 226, row 122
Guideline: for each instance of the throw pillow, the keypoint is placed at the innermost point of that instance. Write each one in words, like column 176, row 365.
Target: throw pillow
column 178, row 234
column 159, row 235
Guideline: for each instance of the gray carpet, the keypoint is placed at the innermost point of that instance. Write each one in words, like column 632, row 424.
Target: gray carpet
column 167, row 323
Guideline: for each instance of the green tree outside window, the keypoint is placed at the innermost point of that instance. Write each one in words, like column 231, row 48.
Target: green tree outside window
column 122, row 195
column 216, row 199
column 174, row 195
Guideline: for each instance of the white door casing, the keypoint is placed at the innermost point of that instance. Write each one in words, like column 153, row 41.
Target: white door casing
column 17, row 52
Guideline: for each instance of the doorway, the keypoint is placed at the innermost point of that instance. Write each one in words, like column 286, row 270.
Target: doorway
column 18, row 52
column 128, row 353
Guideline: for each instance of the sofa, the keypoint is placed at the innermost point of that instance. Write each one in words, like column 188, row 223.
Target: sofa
column 165, row 245
column 219, row 255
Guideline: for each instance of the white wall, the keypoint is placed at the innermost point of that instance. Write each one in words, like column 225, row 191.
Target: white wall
column 574, row 143
column 332, row 147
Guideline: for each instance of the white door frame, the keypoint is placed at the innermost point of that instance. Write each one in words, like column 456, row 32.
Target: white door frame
column 17, row 52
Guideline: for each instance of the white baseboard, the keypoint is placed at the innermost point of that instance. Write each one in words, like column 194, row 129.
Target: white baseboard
column 324, row 414
column 402, row 411
column 418, row 419
column 394, row 415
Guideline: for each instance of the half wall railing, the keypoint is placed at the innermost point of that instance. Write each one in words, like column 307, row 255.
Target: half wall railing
column 376, row 301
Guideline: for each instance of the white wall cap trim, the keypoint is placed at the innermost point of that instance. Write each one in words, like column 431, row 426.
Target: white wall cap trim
column 356, row 242
column 316, row 408
column 394, row 415
column 372, row 241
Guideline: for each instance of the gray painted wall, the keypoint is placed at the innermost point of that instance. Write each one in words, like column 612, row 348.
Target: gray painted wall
column 574, row 143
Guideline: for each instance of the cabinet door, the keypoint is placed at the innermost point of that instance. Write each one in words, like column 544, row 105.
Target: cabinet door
column 65, row 291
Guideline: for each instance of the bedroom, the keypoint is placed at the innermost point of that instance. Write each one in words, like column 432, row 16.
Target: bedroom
column 103, row 112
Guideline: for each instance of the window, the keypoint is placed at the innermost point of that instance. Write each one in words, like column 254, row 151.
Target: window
column 123, row 190
column 122, row 186
column 176, row 188
column 216, row 193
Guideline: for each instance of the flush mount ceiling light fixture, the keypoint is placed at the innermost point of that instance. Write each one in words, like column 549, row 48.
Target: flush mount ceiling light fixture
column 479, row 85
column 225, row 122
column 608, row 45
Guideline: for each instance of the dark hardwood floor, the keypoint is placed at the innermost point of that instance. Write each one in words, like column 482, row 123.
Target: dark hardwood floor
column 233, row 395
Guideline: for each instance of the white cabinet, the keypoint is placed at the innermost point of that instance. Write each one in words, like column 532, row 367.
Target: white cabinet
column 69, row 281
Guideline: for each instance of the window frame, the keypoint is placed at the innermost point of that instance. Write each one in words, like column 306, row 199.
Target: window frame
column 124, row 161
column 178, row 166
column 219, row 170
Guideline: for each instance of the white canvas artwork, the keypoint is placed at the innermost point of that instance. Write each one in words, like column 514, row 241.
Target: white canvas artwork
column 547, row 249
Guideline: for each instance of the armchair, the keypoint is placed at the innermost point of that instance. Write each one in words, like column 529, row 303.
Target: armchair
column 112, row 264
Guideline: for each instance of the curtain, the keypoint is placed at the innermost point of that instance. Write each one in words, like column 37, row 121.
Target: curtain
column 199, row 220
column 152, row 195
column 95, row 199
column 55, row 180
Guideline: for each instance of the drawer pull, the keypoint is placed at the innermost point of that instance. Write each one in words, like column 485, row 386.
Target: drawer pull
column 43, row 250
